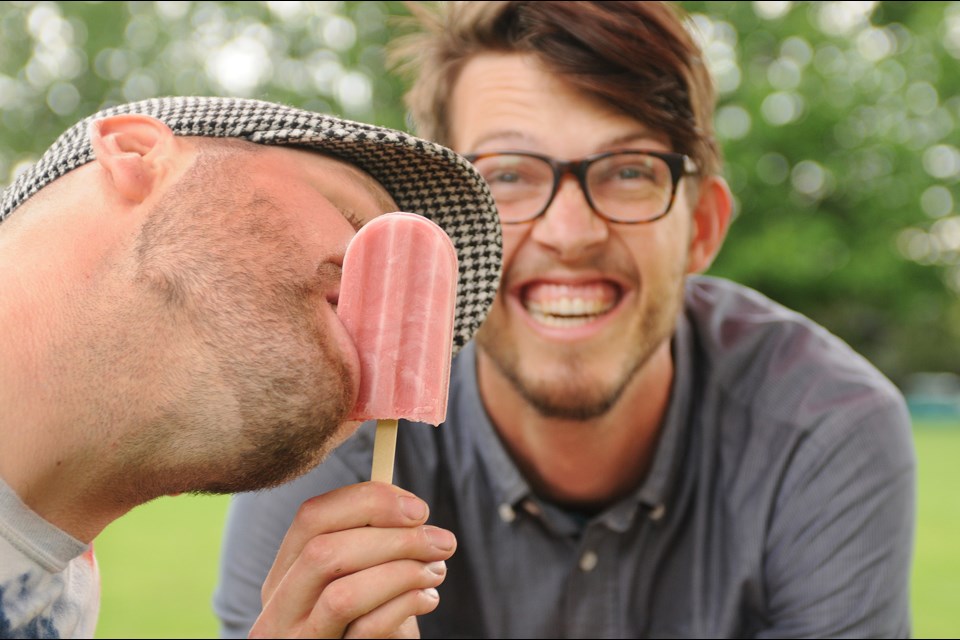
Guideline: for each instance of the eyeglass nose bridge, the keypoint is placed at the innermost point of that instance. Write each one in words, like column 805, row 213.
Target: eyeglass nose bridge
column 576, row 168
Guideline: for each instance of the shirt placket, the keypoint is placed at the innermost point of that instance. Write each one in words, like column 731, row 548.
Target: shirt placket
column 592, row 599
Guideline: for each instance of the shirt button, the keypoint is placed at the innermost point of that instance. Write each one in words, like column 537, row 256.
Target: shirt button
column 507, row 514
column 588, row 561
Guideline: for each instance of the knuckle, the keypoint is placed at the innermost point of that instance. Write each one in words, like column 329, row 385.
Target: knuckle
column 339, row 602
column 319, row 553
column 372, row 490
column 363, row 628
column 308, row 510
column 370, row 495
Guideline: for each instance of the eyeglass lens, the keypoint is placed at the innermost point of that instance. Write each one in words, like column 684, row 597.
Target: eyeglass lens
column 626, row 187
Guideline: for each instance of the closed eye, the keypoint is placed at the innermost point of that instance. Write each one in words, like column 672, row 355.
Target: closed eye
column 352, row 218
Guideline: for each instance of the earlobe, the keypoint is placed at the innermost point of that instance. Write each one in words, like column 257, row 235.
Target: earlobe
column 128, row 148
column 711, row 219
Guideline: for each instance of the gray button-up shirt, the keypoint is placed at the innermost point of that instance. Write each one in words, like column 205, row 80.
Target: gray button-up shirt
column 780, row 502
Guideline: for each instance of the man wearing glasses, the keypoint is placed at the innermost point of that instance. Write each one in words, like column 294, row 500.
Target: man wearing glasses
column 627, row 186
column 631, row 449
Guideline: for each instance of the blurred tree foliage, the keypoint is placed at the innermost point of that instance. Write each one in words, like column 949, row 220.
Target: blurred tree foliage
column 838, row 120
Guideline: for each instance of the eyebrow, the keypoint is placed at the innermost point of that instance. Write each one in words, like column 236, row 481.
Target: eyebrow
column 509, row 135
column 631, row 137
column 504, row 135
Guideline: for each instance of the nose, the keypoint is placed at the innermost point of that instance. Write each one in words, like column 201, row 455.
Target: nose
column 569, row 227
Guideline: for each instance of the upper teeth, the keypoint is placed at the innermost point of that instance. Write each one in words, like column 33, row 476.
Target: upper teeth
column 568, row 307
column 565, row 305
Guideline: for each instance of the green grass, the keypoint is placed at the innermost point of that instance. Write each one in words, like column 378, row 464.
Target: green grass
column 936, row 567
column 159, row 562
column 158, row 566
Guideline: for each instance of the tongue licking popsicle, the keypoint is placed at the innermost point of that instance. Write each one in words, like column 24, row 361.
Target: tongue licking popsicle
column 397, row 301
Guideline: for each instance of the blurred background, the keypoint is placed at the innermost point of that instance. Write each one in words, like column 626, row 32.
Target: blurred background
column 840, row 124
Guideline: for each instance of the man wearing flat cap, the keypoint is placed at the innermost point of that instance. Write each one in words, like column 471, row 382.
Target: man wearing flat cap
column 169, row 274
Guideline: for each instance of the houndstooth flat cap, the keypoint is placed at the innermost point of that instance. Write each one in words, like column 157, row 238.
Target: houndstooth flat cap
column 422, row 177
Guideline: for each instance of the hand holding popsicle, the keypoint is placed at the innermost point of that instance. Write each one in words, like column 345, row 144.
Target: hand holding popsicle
column 357, row 562
column 397, row 301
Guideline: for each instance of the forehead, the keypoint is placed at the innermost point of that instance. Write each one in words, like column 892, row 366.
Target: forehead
column 514, row 101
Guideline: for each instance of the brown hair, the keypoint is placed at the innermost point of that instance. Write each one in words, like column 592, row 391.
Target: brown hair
column 637, row 57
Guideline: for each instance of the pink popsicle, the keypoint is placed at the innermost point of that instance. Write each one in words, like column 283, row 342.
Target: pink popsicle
column 397, row 301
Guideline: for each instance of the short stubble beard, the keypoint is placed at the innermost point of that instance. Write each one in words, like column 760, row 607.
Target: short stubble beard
column 274, row 390
column 569, row 395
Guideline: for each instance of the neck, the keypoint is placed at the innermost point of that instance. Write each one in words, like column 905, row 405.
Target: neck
column 61, row 386
column 582, row 463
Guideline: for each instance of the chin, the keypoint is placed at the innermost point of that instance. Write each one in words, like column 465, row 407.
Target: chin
column 571, row 405
column 269, row 460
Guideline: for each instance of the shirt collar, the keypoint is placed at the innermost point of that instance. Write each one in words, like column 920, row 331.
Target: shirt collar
column 657, row 489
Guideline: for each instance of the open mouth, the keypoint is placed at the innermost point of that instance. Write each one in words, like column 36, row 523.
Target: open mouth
column 569, row 305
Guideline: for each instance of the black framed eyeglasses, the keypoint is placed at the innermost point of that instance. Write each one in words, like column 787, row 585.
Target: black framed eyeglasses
column 628, row 187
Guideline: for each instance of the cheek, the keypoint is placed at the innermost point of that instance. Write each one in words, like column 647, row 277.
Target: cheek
column 660, row 249
column 323, row 235
column 513, row 237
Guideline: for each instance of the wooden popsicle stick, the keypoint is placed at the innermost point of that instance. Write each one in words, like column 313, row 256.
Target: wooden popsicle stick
column 384, row 451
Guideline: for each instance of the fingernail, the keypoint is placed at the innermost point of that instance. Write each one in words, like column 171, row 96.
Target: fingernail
column 413, row 508
column 431, row 593
column 440, row 538
column 438, row 568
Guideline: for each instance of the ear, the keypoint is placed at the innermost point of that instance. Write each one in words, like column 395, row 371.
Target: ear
column 711, row 219
column 130, row 149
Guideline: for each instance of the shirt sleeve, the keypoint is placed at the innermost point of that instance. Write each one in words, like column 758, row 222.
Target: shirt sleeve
column 49, row 581
column 840, row 544
column 255, row 526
